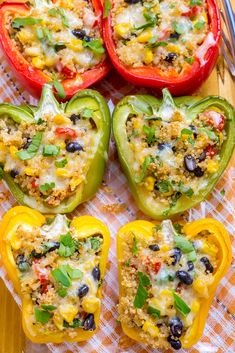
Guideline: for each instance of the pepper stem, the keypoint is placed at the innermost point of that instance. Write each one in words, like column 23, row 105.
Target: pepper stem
column 167, row 107
column 48, row 105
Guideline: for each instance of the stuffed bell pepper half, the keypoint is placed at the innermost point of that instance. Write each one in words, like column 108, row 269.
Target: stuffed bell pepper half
column 172, row 44
column 168, row 275
column 53, row 156
column 173, row 151
column 59, row 41
column 57, row 266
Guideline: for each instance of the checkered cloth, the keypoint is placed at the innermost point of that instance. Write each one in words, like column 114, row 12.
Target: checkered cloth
column 219, row 333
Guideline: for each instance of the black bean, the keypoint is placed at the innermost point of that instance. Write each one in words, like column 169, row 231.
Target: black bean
column 22, row 263
column 184, row 277
column 36, row 255
column 175, row 344
column 190, row 265
column 190, row 163
column 207, row 264
column 156, row 187
column 89, row 323
column 74, row 147
column 202, row 156
column 176, row 326
column 176, row 256
column 154, row 247
column 83, row 290
column 170, row 57
column 74, row 118
column 79, row 33
column 27, row 143
column 96, row 273
column 59, row 47
column 14, row 173
column 198, row 172
column 162, row 145
column 131, row 2
column 88, row 38
column 194, row 130
column 174, row 35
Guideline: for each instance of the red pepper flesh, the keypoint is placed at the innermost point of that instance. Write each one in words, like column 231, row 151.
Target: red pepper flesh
column 33, row 79
column 190, row 78
column 66, row 131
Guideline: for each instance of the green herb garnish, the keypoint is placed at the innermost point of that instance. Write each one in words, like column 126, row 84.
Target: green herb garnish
column 95, row 243
column 190, row 60
column 48, row 307
column 134, row 246
column 164, row 186
column 25, row 21
column 150, row 133
column 95, row 45
column 154, row 312
column 180, row 305
column 141, row 294
column 67, row 245
column 50, row 150
column 199, row 24
column 61, row 163
column 42, row 316
column 183, row 244
column 195, row 2
column 47, row 187
column 33, row 148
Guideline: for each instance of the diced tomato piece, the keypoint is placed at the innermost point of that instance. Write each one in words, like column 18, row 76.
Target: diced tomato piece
column 34, row 184
column 211, row 151
column 156, row 267
column 67, row 72
column 194, row 11
column 66, row 131
column 216, row 119
column 42, row 274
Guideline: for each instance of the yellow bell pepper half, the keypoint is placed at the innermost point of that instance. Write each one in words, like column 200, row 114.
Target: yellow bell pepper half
column 143, row 230
column 84, row 226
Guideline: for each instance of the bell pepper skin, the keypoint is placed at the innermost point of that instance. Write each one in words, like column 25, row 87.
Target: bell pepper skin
column 81, row 100
column 85, row 226
column 220, row 237
column 194, row 106
column 191, row 77
column 32, row 78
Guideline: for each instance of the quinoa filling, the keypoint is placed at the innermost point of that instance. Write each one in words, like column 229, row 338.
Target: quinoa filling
column 60, row 38
column 174, row 155
column 59, row 271
column 164, row 277
column 164, row 34
column 49, row 160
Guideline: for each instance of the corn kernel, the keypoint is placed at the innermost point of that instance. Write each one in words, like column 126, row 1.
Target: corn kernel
column 16, row 243
column 136, row 124
column 148, row 56
column 151, row 329
column 50, row 61
column 13, row 151
column 149, row 183
column 145, row 36
column 38, row 63
column 122, row 29
column 195, row 306
column 58, row 321
column 201, row 288
column 75, row 45
column 61, row 145
column 75, row 182
column 212, row 166
column 172, row 48
column 165, row 248
column 68, row 312
column 60, row 119
column 2, row 147
column 166, row 292
column 33, row 51
column 25, row 35
column 91, row 304
column 62, row 172
column 30, row 171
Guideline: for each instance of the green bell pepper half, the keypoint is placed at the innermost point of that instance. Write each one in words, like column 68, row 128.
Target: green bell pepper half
column 87, row 98
column 151, row 106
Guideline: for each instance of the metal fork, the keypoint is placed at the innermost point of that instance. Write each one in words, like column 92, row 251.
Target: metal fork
column 228, row 46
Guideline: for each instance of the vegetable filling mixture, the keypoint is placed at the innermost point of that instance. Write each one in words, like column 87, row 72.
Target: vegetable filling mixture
column 61, row 38
column 164, row 277
column 49, row 159
column 175, row 155
column 60, row 271
column 163, row 33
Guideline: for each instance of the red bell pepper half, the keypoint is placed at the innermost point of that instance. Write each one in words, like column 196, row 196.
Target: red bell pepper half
column 190, row 78
column 33, row 79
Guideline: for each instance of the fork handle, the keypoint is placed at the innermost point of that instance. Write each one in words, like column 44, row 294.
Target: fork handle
column 231, row 23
